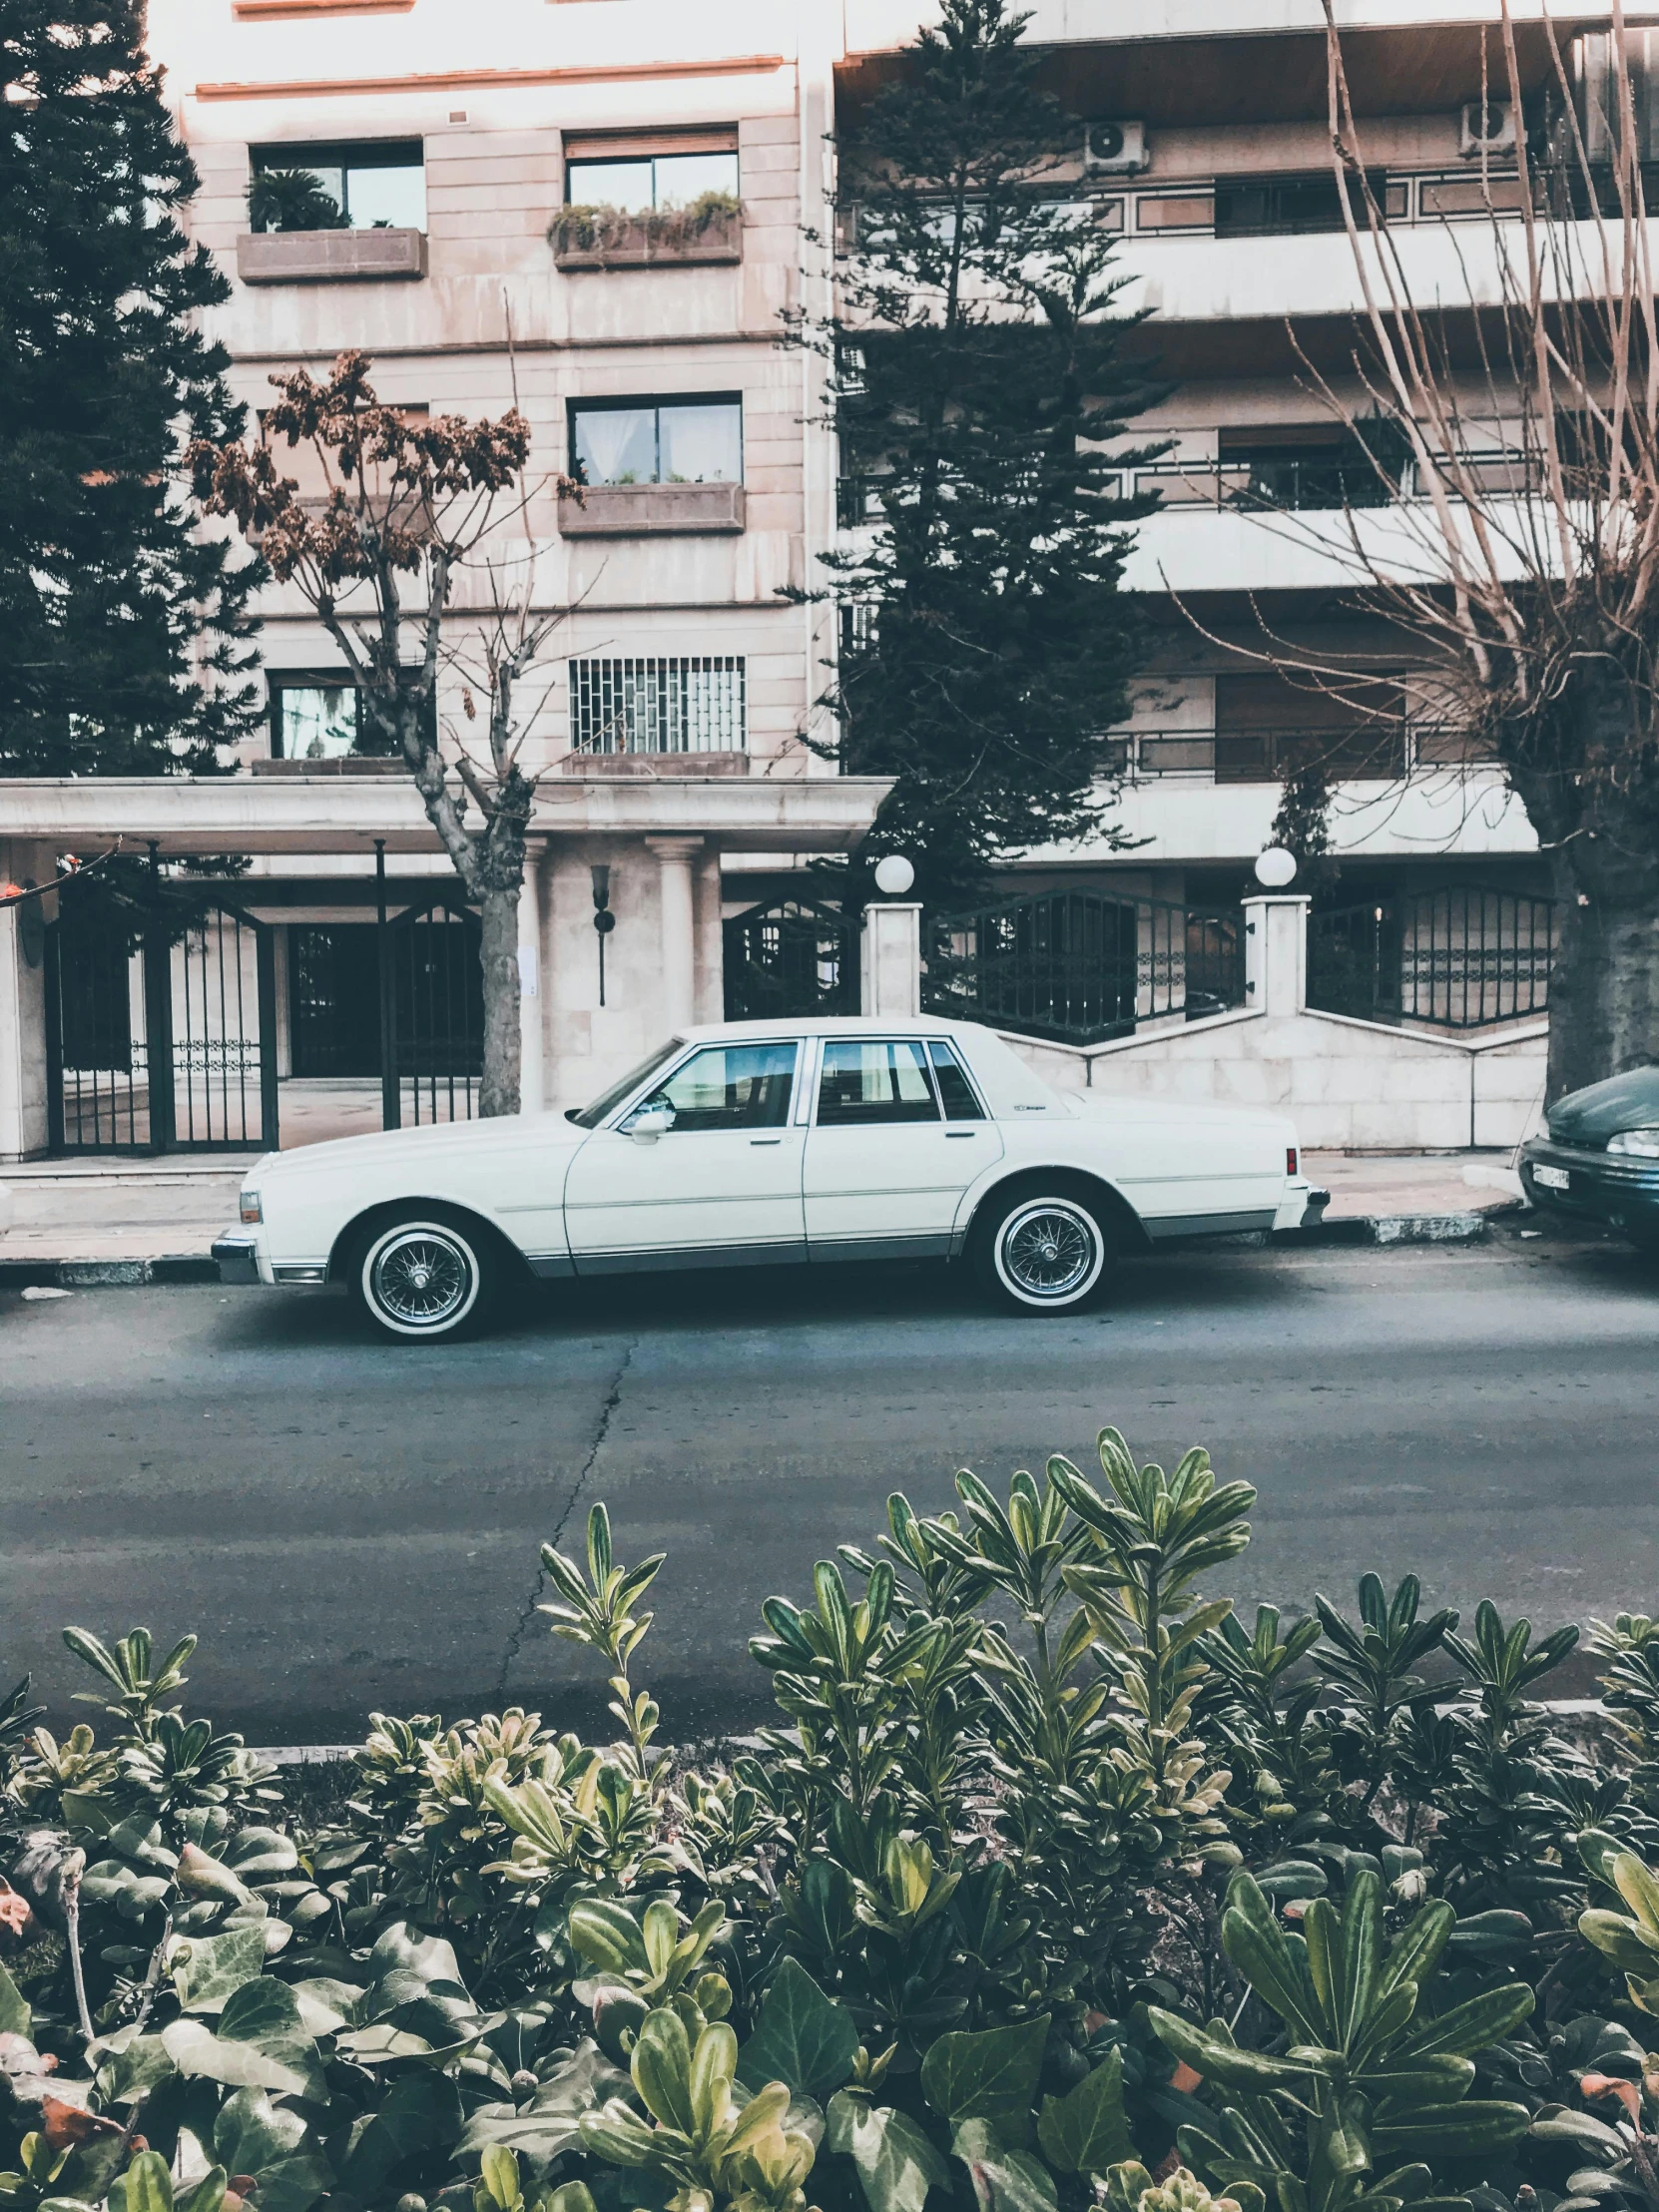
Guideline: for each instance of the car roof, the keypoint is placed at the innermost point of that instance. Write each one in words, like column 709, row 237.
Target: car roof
column 826, row 1025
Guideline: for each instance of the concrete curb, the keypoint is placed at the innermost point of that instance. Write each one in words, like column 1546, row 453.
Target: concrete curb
column 1349, row 1231
column 106, row 1275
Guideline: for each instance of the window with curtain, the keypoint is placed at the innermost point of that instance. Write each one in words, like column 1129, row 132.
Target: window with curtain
column 658, row 441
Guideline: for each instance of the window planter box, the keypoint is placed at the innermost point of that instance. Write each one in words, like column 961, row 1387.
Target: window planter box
column 651, row 510
column 330, row 257
column 655, row 766
column 642, row 244
column 342, row 764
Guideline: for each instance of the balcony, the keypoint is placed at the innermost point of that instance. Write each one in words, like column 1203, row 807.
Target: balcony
column 653, row 510
column 330, row 257
column 1379, row 752
column 607, row 238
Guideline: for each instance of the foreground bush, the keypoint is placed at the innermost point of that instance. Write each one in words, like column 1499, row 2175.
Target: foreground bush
column 1057, row 1884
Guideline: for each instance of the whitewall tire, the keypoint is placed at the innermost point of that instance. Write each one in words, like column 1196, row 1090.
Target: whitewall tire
column 1041, row 1251
column 424, row 1278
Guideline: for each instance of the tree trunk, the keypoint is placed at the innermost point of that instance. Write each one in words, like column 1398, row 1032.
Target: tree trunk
column 1604, row 990
column 498, row 957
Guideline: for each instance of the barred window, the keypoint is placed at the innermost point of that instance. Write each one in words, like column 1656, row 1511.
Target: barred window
column 684, row 704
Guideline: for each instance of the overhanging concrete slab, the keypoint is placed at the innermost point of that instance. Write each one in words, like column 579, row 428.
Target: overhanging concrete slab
column 238, row 814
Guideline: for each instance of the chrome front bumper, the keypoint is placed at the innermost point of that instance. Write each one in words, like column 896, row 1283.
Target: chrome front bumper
column 239, row 1259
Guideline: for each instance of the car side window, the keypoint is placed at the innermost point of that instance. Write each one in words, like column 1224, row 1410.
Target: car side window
column 726, row 1086
column 869, row 1079
column 955, row 1088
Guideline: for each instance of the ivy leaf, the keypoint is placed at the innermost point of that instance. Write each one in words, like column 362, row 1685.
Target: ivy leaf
column 802, row 2038
column 211, row 1968
column 1003, row 2180
column 253, row 2136
column 261, row 2043
column 1085, row 2131
column 897, row 2163
column 991, row 2076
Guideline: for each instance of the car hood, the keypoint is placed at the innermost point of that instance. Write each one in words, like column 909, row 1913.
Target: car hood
column 434, row 1141
column 1174, row 1113
column 1592, row 1115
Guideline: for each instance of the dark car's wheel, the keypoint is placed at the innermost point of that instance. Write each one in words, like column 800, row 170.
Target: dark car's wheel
column 428, row 1276
column 1040, row 1250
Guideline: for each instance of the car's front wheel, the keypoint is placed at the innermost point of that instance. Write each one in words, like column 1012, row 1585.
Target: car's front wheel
column 1041, row 1250
column 425, row 1276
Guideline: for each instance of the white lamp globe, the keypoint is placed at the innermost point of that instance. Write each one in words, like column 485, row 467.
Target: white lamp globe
column 894, row 876
column 1275, row 868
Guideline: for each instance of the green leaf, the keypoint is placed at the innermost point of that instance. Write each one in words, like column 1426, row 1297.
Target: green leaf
column 1085, row 2131
column 402, row 1967
column 208, row 2194
column 1222, row 2062
column 149, row 2183
column 897, row 2163
column 802, row 2037
column 1467, row 2130
column 1003, row 2180
column 991, row 2076
column 1470, row 2027
column 15, row 2015
column 661, row 2067
column 416, row 2115
column 261, row 2043
column 211, row 1968
column 607, row 1935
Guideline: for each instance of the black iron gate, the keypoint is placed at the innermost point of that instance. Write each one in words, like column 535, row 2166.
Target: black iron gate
column 431, row 1013
column 789, row 961
column 161, row 1036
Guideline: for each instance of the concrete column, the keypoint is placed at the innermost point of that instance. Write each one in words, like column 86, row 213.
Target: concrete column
column 890, row 961
column 23, row 1005
column 678, row 927
column 532, row 1074
column 711, row 940
column 1275, row 955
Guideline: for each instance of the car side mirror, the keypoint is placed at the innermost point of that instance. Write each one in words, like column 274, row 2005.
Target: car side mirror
column 648, row 1126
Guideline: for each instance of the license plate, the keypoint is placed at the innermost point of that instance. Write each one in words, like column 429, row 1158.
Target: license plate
column 1553, row 1179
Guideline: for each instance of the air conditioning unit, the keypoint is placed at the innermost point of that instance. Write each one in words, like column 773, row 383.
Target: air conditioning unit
column 1114, row 148
column 1485, row 127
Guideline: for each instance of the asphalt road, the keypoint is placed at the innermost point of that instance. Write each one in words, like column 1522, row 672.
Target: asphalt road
column 352, row 1525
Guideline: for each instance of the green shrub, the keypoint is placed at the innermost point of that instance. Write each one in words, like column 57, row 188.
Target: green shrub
column 1055, row 1884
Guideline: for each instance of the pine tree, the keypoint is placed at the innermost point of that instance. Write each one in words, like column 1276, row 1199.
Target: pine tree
column 986, row 642
column 124, row 629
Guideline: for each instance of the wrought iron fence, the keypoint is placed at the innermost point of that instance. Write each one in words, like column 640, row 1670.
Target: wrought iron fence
column 1460, row 958
column 1079, row 967
column 794, row 959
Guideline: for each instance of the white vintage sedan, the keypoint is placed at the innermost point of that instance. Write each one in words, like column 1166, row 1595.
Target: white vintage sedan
column 756, row 1143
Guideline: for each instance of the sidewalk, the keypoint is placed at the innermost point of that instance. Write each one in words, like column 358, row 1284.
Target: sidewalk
column 137, row 1220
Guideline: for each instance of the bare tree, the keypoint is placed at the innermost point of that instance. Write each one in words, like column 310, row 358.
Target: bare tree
column 1529, row 579
column 416, row 498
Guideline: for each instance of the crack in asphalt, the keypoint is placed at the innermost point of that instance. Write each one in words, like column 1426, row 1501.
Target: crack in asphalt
column 602, row 1429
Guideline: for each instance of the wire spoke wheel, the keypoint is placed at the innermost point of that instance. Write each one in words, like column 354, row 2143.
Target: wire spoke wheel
column 1045, row 1254
column 421, row 1278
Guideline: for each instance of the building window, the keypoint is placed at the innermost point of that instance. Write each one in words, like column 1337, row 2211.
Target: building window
column 1268, row 207
column 315, row 717
column 378, row 185
column 656, row 441
column 648, row 175
column 687, row 704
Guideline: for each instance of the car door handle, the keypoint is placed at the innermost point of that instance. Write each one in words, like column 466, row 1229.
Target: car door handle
column 766, row 1140
column 962, row 1132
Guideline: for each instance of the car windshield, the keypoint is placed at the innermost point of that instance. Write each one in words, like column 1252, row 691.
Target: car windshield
column 591, row 1116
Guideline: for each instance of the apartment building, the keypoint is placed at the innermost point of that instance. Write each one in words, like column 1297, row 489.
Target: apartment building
column 413, row 178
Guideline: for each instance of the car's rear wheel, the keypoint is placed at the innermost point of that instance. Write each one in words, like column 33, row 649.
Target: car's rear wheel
column 1041, row 1250
column 427, row 1277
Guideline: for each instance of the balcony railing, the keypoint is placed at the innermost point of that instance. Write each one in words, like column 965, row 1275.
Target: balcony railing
column 1370, row 752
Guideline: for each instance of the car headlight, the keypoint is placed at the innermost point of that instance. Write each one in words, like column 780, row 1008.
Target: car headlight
column 250, row 1207
column 1643, row 1142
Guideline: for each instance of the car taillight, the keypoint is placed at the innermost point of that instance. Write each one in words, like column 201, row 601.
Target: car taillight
column 250, row 1211
column 1290, row 1167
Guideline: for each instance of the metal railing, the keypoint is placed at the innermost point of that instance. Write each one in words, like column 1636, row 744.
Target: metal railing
column 1079, row 967
column 1461, row 957
column 1373, row 751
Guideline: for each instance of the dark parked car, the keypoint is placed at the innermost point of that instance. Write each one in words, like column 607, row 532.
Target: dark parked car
column 1600, row 1160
